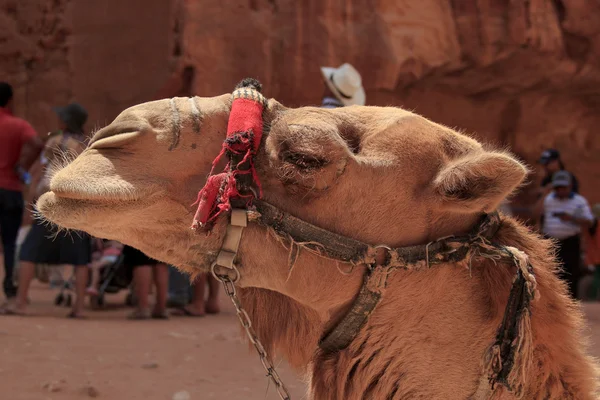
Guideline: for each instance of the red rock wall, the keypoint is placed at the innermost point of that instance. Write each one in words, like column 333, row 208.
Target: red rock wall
column 106, row 54
column 525, row 74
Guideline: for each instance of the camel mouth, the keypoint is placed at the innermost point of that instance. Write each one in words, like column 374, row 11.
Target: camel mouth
column 75, row 212
column 104, row 189
column 52, row 203
column 96, row 196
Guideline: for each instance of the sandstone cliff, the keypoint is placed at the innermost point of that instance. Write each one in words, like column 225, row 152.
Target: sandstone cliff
column 520, row 73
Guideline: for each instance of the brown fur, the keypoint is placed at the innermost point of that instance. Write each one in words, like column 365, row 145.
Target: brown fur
column 380, row 175
column 399, row 362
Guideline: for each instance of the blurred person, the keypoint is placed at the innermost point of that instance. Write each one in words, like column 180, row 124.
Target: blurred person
column 592, row 252
column 201, row 304
column 43, row 245
column 180, row 290
column 342, row 87
column 37, row 171
column 108, row 254
column 19, row 147
column 566, row 213
column 551, row 163
column 146, row 271
column 190, row 298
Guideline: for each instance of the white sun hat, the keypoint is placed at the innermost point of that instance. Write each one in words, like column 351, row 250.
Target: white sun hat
column 345, row 82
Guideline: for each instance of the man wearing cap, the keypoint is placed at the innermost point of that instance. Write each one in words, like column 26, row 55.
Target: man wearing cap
column 566, row 213
column 19, row 147
column 551, row 163
column 43, row 245
column 550, row 160
column 343, row 87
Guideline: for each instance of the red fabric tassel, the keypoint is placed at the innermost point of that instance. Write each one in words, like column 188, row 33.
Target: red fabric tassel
column 244, row 134
column 207, row 198
column 246, row 116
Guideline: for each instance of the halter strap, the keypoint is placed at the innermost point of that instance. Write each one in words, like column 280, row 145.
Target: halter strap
column 343, row 248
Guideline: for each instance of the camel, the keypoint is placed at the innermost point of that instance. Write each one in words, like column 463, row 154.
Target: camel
column 377, row 175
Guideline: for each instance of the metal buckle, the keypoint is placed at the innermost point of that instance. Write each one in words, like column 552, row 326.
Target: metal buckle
column 222, row 278
column 387, row 255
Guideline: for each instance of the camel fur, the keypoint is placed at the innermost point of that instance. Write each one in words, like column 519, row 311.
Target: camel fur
column 379, row 175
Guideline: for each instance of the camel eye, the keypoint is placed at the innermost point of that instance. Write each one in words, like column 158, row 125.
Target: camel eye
column 306, row 162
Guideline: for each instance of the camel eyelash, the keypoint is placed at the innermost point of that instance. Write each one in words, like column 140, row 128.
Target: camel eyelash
column 303, row 161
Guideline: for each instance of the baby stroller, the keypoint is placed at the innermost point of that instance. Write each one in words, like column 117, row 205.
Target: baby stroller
column 113, row 278
column 64, row 297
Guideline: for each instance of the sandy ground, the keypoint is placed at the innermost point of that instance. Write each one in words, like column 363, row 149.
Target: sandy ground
column 46, row 356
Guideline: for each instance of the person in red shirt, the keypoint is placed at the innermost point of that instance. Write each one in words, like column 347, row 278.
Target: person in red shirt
column 43, row 244
column 19, row 148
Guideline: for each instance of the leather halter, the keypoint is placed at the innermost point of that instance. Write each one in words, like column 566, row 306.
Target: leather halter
column 381, row 261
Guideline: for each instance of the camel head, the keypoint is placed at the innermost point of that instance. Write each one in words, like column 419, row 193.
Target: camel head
column 380, row 175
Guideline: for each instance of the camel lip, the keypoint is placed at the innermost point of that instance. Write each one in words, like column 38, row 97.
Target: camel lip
column 66, row 211
column 93, row 198
column 75, row 213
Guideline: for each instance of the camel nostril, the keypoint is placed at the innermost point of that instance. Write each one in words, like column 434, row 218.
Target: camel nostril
column 126, row 126
column 103, row 137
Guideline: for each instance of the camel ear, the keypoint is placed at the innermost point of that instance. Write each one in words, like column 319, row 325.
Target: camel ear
column 479, row 182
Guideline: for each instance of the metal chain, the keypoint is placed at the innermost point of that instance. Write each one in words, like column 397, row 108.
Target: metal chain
column 245, row 321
